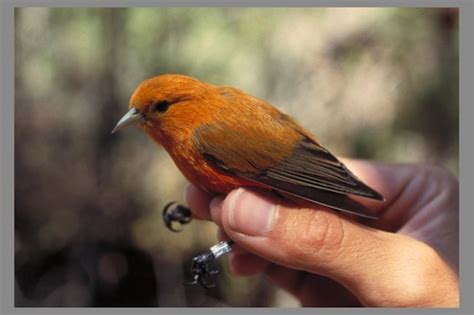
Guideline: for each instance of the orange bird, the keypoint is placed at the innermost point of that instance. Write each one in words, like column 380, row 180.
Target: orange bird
column 222, row 138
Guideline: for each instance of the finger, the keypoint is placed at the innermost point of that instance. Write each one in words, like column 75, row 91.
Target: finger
column 388, row 179
column 221, row 236
column 246, row 264
column 241, row 262
column 310, row 289
column 198, row 200
column 323, row 242
column 290, row 280
column 215, row 207
column 400, row 184
column 421, row 201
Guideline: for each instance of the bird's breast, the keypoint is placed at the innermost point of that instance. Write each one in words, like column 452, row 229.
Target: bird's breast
column 199, row 172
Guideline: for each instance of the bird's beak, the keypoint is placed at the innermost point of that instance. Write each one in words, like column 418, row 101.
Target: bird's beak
column 131, row 118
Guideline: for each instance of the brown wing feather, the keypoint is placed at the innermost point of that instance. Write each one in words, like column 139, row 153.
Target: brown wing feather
column 323, row 197
column 311, row 165
column 306, row 170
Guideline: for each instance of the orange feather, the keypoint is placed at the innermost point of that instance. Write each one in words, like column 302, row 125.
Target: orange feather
column 222, row 138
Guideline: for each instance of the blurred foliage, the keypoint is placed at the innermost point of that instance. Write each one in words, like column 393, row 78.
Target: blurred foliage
column 371, row 83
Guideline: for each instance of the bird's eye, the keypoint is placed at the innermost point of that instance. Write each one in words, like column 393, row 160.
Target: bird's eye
column 161, row 106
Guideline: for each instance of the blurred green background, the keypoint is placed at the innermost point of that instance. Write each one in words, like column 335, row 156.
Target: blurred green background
column 376, row 83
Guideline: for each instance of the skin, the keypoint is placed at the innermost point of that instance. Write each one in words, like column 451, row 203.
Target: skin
column 408, row 258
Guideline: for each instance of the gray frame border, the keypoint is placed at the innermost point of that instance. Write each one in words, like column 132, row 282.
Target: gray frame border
column 466, row 178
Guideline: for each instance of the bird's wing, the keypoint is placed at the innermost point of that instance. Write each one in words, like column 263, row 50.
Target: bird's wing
column 306, row 170
column 312, row 165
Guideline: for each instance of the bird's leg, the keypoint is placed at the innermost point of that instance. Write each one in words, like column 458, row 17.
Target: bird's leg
column 200, row 268
column 178, row 213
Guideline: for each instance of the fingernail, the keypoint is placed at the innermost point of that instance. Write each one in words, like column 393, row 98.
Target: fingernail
column 249, row 213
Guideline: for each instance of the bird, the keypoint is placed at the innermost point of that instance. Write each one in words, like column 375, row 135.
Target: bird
column 222, row 138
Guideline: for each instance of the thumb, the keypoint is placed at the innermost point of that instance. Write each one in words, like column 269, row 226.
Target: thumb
column 366, row 261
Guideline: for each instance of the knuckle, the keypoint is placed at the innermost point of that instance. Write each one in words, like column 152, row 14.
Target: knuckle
column 318, row 234
column 438, row 176
column 438, row 184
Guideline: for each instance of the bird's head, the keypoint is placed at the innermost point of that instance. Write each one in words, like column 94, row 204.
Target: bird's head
column 168, row 105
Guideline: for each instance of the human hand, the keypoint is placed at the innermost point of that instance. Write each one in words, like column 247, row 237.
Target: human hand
column 407, row 258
